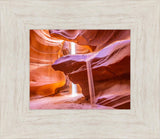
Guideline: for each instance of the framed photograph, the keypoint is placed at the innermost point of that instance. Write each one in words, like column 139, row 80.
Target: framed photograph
column 79, row 69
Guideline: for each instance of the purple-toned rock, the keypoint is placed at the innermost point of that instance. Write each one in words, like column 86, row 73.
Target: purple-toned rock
column 96, row 39
column 111, row 73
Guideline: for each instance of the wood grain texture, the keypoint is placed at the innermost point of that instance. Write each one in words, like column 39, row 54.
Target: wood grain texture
column 18, row 17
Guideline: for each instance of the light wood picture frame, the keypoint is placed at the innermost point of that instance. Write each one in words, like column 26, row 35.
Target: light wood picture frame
column 18, row 17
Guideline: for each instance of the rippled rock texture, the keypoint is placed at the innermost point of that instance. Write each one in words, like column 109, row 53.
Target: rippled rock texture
column 95, row 39
column 52, row 66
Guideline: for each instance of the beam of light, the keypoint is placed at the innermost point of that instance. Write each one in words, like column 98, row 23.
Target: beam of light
column 74, row 90
column 74, row 86
column 73, row 48
column 90, row 80
column 90, row 83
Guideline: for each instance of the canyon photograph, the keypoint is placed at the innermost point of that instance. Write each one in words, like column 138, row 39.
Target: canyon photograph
column 80, row 69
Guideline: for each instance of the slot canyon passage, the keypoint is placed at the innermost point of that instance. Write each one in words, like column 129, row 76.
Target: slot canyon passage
column 79, row 69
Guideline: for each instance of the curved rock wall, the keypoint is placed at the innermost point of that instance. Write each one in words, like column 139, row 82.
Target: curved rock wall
column 96, row 39
column 51, row 64
column 44, row 50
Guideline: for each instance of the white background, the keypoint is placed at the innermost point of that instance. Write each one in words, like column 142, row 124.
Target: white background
column 18, row 17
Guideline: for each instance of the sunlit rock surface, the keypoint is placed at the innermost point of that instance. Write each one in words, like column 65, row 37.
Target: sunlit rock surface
column 43, row 52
